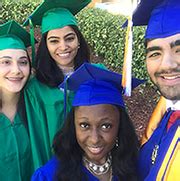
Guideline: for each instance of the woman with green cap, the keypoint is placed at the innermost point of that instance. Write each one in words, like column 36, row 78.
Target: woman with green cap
column 61, row 51
column 15, row 153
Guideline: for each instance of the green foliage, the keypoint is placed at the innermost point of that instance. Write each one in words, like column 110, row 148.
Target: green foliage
column 106, row 36
column 101, row 29
column 17, row 10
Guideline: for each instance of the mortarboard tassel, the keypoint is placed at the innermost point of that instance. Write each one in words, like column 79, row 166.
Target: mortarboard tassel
column 154, row 120
column 127, row 65
column 32, row 41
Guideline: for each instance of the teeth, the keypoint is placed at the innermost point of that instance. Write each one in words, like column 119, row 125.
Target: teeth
column 14, row 78
column 172, row 77
column 95, row 149
column 63, row 54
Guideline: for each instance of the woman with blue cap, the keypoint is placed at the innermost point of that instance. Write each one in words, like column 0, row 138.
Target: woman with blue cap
column 98, row 141
column 15, row 151
column 61, row 51
column 159, row 157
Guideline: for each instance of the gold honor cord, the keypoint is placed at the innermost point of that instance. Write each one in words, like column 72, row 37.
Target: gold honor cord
column 127, row 65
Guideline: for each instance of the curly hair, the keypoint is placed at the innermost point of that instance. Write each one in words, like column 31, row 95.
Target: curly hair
column 70, row 154
column 47, row 71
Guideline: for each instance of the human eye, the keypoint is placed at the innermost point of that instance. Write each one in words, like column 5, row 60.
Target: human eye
column 5, row 62
column 23, row 62
column 153, row 55
column 106, row 126
column 84, row 125
column 53, row 41
column 70, row 38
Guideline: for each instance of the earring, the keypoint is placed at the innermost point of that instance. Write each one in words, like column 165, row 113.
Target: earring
column 78, row 46
column 117, row 143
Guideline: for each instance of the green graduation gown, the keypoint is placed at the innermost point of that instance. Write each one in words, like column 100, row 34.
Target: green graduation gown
column 45, row 115
column 15, row 150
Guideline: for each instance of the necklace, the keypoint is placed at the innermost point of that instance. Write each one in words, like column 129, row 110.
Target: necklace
column 98, row 169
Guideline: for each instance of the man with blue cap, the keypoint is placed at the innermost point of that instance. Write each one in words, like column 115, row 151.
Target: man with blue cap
column 159, row 157
column 98, row 141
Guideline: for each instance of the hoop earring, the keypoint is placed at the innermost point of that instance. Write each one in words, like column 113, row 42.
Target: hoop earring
column 117, row 143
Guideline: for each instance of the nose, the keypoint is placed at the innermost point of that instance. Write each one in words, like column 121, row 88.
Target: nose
column 169, row 62
column 95, row 137
column 15, row 69
column 63, row 45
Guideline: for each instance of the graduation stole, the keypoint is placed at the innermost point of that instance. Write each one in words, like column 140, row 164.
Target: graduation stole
column 154, row 120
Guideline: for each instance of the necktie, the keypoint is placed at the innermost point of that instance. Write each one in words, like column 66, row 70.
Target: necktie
column 174, row 116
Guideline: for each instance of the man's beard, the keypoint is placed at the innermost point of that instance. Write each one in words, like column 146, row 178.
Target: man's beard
column 169, row 92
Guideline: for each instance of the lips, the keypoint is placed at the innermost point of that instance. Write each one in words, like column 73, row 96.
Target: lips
column 14, row 78
column 95, row 150
column 171, row 77
column 169, row 80
column 63, row 55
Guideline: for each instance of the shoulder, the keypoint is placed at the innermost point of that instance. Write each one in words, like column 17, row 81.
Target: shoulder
column 37, row 90
column 46, row 172
column 34, row 82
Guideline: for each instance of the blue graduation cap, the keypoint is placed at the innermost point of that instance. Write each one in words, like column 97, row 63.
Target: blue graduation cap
column 161, row 17
column 95, row 85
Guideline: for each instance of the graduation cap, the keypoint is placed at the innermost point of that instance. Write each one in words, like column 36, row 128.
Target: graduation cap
column 161, row 17
column 53, row 14
column 12, row 35
column 93, row 85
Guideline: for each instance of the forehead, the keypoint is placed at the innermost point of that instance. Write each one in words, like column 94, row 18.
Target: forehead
column 163, row 41
column 97, row 111
column 13, row 52
column 61, row 31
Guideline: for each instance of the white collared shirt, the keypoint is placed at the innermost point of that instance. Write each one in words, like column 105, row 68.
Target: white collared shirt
column 174, row 105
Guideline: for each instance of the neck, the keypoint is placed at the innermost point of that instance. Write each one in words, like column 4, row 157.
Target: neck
column 9, row 104
column 98, row 169
column 67, row 70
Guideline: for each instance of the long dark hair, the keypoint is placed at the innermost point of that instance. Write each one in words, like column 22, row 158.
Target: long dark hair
column 70, row 154
column 21, row 109
column 47, row 71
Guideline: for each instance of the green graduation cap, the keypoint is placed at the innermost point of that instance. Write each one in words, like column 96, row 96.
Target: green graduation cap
column 12, row 35
column 53, row 14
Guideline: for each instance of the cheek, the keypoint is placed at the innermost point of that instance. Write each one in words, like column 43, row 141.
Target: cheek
column 80, row 138
column 75, row 45
column 26, row 70
column 79, row 135
column 151, row 67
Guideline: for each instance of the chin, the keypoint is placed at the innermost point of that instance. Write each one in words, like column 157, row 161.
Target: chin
column 171, row 94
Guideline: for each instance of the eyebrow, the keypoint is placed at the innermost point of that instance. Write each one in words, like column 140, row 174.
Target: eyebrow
column 69, row 34
column 176, row 43
column 154, row 48
column 23, row 57
column 5, row 57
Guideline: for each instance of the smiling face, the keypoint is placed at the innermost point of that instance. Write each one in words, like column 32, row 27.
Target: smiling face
column 63, row 45
column 96, row 130
column 14, row 69
column 163, row 65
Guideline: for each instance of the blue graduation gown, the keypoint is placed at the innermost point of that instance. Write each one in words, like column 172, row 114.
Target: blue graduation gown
column 47, row 172
column 159, row 158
